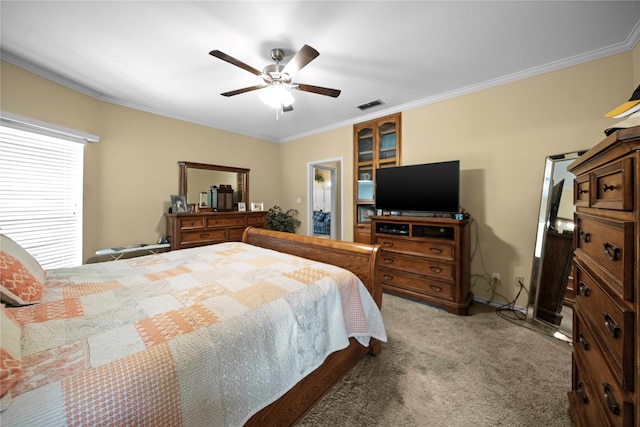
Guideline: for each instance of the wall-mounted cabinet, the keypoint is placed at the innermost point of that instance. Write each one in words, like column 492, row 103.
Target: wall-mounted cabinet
column 377, row 145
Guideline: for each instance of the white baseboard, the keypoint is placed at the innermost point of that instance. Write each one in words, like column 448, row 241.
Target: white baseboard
column 499, row 304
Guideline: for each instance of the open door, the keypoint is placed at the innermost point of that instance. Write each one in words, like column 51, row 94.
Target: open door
column 324, row 208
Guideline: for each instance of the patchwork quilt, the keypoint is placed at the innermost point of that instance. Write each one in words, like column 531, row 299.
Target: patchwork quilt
column 202, row 336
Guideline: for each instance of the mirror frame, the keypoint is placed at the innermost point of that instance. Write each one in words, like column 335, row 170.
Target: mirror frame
column 185, row 166
column 543, row 220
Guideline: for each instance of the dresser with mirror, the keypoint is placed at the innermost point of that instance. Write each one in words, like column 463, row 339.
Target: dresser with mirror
column 210, row 225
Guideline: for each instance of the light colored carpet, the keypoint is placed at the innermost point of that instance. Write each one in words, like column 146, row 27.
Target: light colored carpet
column 438, row 369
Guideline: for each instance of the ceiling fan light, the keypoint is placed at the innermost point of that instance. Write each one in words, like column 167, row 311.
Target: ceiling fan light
column 276, row 96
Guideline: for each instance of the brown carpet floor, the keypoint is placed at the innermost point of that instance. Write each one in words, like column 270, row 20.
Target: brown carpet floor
column 438, row 369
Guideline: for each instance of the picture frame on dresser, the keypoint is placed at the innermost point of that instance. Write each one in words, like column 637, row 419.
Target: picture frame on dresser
column 257, row 206
column 242, row 207
column 178, row 204
column 204, row 199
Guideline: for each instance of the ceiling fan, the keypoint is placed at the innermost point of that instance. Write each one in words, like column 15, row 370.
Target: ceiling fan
column 277, row 77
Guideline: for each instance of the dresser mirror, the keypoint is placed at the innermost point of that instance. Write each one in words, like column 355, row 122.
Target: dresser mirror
column 197, row 178
column 553, row 254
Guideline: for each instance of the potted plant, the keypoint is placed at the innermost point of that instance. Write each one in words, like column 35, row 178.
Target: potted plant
column 280, row 220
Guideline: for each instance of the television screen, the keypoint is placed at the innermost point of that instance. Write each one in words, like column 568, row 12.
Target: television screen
column 429, row 187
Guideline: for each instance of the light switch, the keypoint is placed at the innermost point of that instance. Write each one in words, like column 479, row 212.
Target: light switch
column 298, row 200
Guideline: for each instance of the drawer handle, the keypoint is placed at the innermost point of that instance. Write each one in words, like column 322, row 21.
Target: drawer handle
column 606, row 187
column 612, row 251
column 583, row 289
column 583, row 191
column 204, row 236
column 613, row 406
column 583, row 342
column 388, row 277
column 435, row 269
column 583, row 394
column 436, row 288
column 585, row 237
column 388, row 261
column 388, row 244
column 611, row 325
column 436, row 250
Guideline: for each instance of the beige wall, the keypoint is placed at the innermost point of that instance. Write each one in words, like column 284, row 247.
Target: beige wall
column 296, row 155
column 501, row 136
column 130, row 174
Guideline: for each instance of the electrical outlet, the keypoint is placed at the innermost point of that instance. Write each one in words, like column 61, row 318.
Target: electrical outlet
column 495, row 277
column 519, row 281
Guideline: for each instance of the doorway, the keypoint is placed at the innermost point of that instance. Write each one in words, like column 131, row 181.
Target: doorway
column 324, row 199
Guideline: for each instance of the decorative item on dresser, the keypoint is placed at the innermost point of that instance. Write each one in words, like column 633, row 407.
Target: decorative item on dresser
column 427, row 259
column 606, row 354
column 206, row 228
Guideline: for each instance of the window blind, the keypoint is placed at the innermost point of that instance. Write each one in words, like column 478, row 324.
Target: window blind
column 41, row 181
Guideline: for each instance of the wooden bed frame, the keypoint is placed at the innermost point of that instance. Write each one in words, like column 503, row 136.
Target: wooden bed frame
column 361, row 259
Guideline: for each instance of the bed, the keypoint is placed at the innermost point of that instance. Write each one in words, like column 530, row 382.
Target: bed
column 239, row 333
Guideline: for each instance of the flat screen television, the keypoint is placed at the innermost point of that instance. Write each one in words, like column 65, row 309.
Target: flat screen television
column 426, row 188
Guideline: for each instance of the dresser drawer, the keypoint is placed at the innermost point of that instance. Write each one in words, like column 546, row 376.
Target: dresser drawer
column 256, row 220
column 426, row 266
column 191, row 223
column 226, row 221
column 581, row 190
column 584, row 404
column 610, row 244
column 420, row 284
column 612, row 322
column 603, row 387
column 612, row 186
column 203, row 237
column 443, row 251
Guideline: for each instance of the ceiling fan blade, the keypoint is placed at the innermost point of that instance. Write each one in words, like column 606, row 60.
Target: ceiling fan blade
column 243, row 90
column 300, row 59
column 234, row 61
column 317, row 89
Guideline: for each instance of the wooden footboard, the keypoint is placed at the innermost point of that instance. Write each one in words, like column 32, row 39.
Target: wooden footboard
column 358, row 258
column 361, row 259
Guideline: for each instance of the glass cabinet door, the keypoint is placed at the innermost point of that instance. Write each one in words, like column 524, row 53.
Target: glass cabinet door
column 365, row 145
column 365, row 182
column 365, row 164
column 387, row 144
column 377, row 145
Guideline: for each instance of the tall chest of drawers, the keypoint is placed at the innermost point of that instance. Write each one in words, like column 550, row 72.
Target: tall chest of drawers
column 606, row 349
column 206, row 228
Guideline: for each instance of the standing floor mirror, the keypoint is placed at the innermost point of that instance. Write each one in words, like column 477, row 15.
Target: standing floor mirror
column 550, row 289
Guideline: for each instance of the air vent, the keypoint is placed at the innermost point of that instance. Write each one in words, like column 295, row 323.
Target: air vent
column 370, row 104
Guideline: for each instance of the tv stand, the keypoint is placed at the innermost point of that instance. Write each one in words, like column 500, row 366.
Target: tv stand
column 427, row 259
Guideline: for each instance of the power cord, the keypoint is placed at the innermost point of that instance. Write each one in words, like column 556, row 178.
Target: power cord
column 517, row 317
column 486, row 277
column 509, row 308
column 506, row 311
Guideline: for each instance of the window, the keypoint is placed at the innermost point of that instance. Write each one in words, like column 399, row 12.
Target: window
column 41, row 185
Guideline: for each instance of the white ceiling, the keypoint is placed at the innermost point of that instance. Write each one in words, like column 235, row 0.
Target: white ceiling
column 154, row 55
